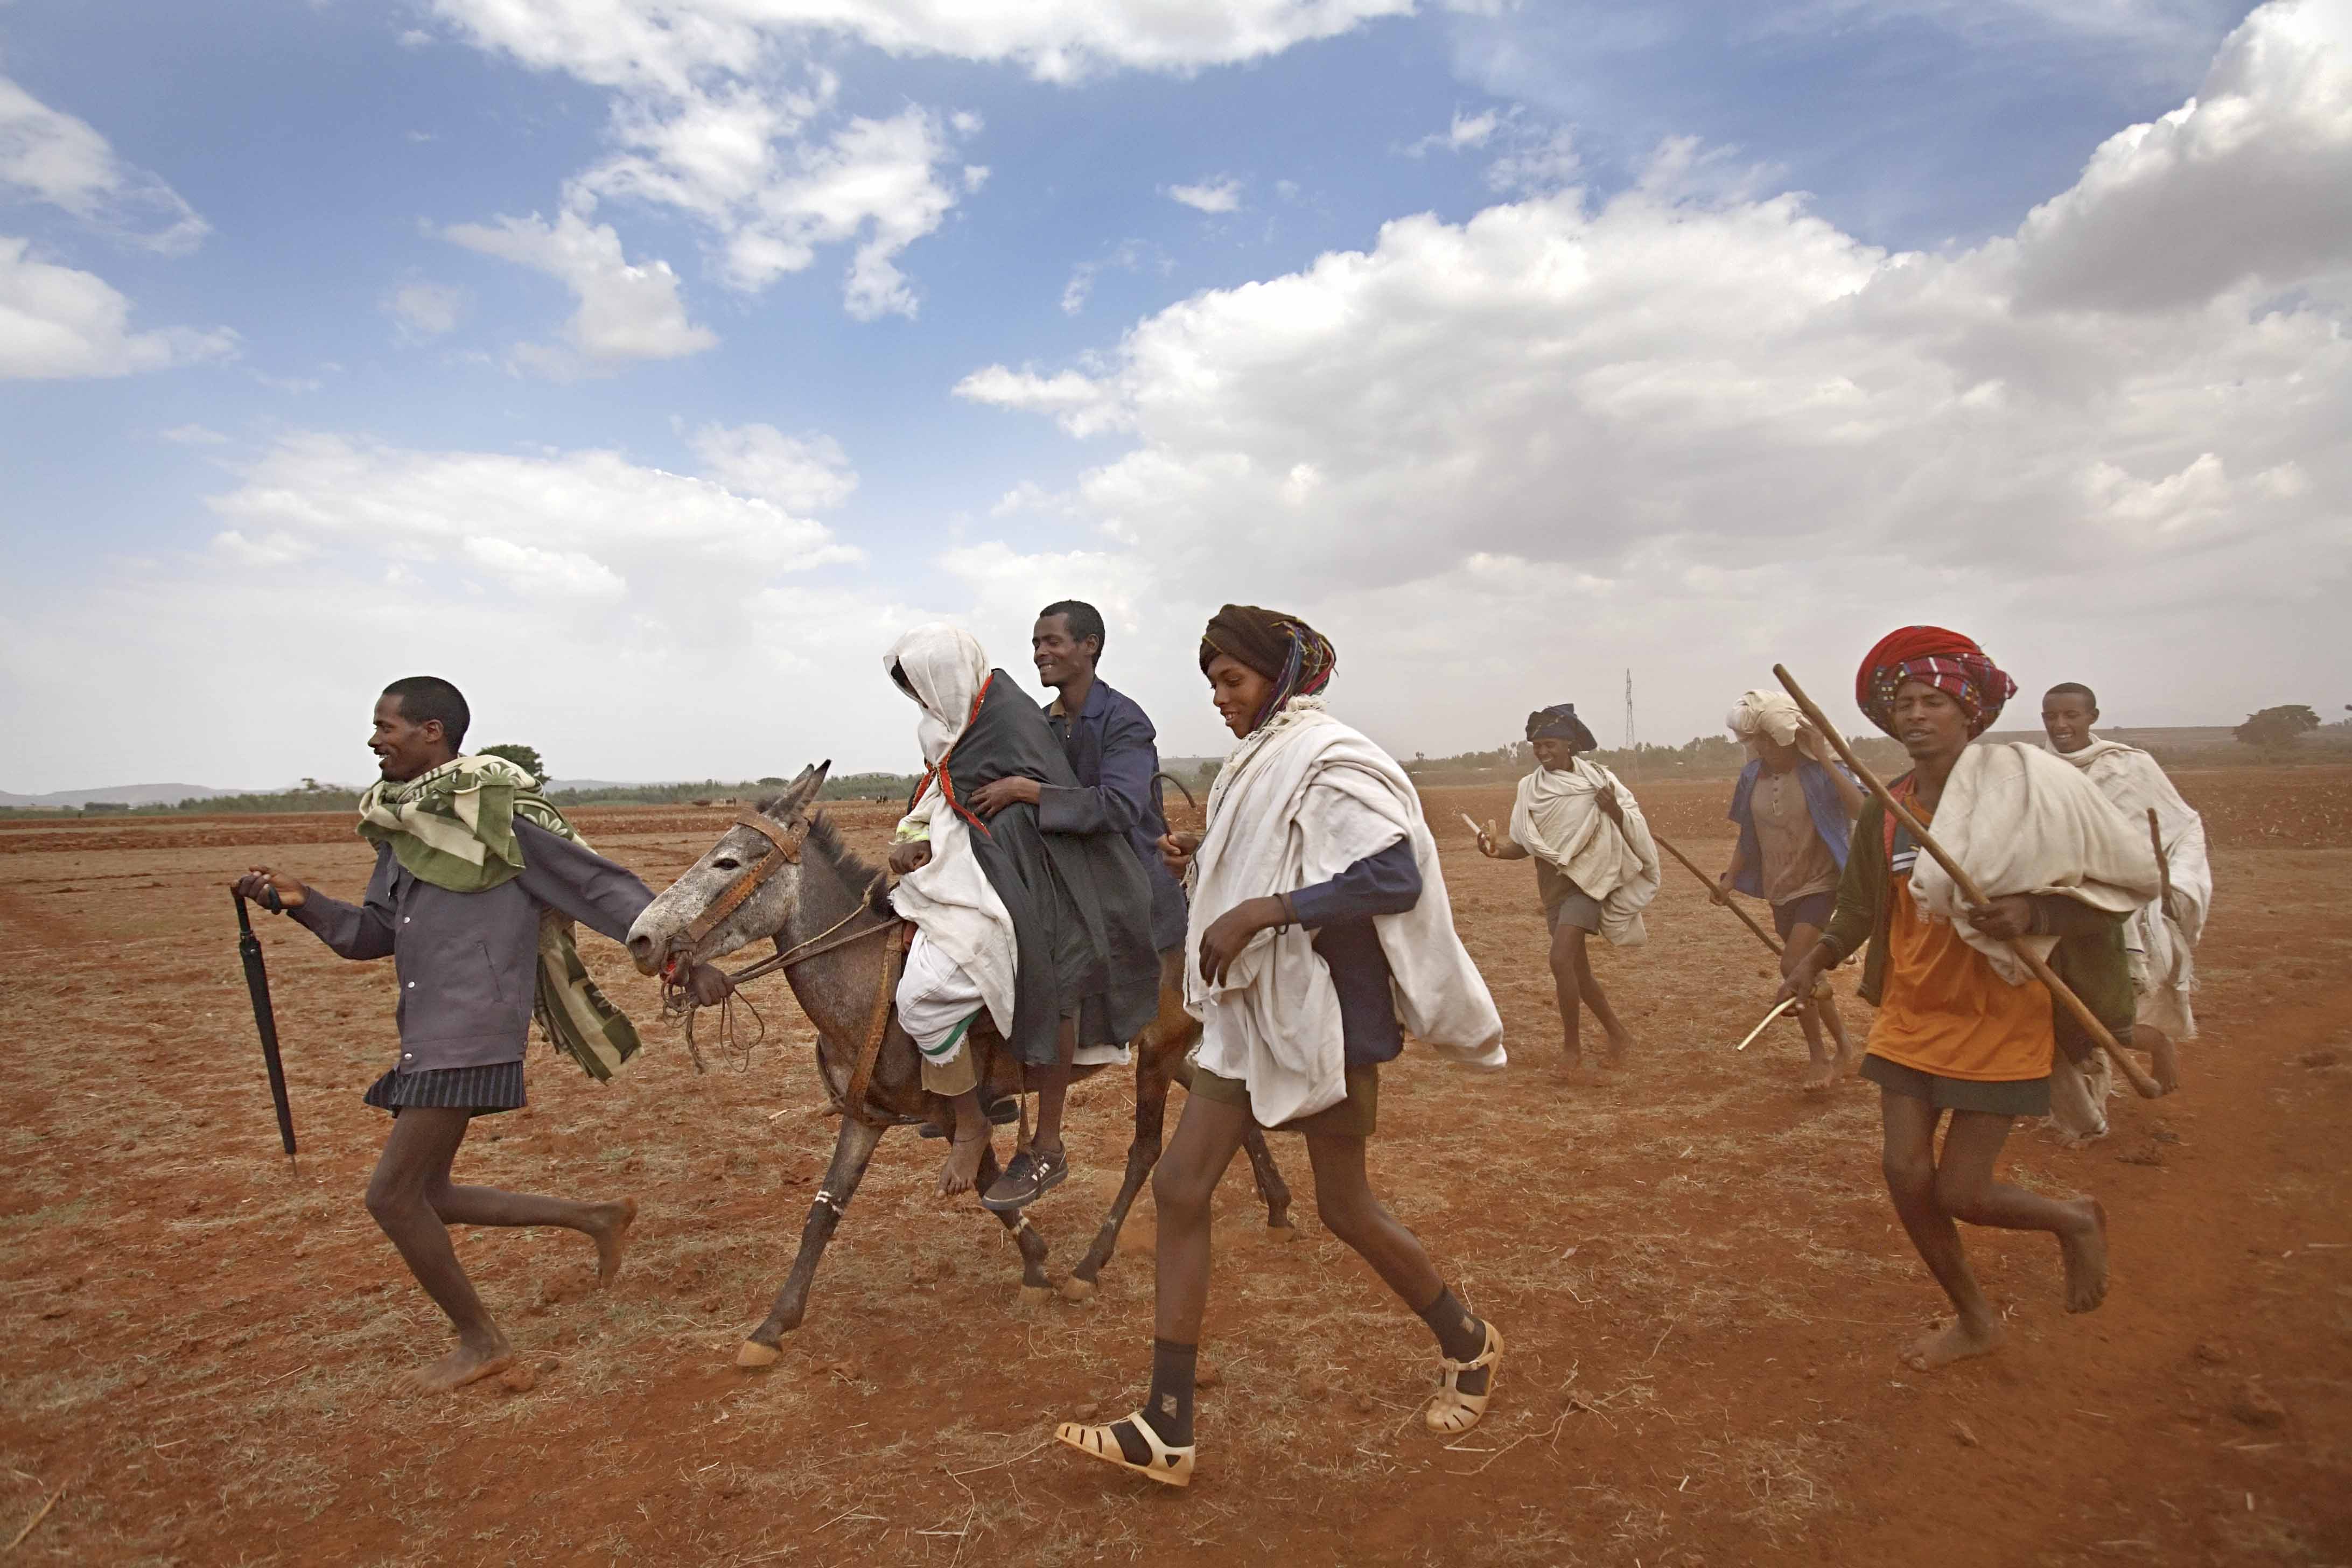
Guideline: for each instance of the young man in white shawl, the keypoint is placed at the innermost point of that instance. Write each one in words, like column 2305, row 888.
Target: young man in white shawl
column 1964, row 1029
column 1317, row 913
column 2162, row 935
column 1047, row 933
column 1596, row 868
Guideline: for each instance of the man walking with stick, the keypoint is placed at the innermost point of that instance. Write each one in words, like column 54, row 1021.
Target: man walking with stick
column 1794, row 811
column 2028, row 874
column 476, row 877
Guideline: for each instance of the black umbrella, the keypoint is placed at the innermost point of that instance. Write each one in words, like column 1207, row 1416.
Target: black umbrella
column 257, row 981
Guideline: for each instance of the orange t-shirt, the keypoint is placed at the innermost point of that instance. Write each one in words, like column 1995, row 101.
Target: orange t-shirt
column 1943, row 1011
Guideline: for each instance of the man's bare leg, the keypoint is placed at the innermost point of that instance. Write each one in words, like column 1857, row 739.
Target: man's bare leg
column 1823, row 1072
column 1908, row 1155
column 1965, row 1189
column 1566, row 947
column 967, row 1142
column 2163, row 1062
column 1620, row 1041
column 414, row 1167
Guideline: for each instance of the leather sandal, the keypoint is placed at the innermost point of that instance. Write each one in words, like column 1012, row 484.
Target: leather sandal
column 1169, row 1467
column 1453, row 1411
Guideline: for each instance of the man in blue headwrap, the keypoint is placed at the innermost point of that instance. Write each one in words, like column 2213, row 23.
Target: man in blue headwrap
column 1596, row 868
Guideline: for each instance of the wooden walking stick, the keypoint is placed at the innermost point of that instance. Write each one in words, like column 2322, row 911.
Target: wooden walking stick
column 2142, row 1084
column 256, row 984
column 1745, row 918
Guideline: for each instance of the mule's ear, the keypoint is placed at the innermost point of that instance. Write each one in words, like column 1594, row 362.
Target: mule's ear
column 797, row 794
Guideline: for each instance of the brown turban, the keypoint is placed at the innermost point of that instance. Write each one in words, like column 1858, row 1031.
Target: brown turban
column 1297, row 657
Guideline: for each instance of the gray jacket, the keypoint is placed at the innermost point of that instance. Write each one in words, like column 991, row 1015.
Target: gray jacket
column 469, row 963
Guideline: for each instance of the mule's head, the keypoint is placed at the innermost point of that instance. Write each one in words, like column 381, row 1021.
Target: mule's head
column 665, row 932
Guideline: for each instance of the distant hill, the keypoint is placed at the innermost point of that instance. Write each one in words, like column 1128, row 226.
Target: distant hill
column 114, row 794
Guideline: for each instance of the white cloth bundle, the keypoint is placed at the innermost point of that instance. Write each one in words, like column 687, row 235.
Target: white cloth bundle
column 1769, row 713
column 1300, row 801
column 2019, row 821
column 1557, row 818
column 2163, row 942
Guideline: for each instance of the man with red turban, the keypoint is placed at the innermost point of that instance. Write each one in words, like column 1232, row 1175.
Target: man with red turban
column 1963, row 1027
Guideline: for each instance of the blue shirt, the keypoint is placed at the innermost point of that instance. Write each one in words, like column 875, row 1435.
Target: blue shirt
column 1339, row 913
column 1114, row 751
column 1821, row 803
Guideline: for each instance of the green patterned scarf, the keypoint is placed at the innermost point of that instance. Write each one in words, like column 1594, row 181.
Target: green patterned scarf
column 454, row 828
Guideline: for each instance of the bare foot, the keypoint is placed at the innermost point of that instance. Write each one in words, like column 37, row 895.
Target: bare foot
column 1819, row 1077
column 2163, row 1061
column 462, row 1365
column 1956, row 1341
column 1613, row 1058
column 962, row 1167
column 2085, row 1255
column 1848, row 1064
column 1571, row 1071
column 608, row 1228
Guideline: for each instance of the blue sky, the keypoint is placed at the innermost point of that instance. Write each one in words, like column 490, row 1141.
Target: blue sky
column 646, row 368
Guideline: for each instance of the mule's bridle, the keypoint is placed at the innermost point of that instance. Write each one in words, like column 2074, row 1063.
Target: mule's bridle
column 787, row 852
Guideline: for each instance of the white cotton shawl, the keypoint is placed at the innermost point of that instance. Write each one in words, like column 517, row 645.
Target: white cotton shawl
column 1300, row 801
column 2163, row 940
column 1558, row 818
column 2019, row 821
column 949, row 897
column 947, row 667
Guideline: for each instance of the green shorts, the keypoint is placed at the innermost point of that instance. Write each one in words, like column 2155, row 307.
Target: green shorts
column 1354, row 1117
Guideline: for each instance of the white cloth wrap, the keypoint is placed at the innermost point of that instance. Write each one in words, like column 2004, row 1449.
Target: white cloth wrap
column 1300, row 801
column 2163, row 942
column 964, row 952
column 1557, row 818
column 2019, row 821
column 1767, row 713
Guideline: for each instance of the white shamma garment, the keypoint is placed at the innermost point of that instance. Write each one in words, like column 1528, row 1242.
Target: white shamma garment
column 1557, row 818
column 1300, row 801
column 2162, row 941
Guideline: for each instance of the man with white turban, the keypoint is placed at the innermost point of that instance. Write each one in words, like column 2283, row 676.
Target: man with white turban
column 1794, row 809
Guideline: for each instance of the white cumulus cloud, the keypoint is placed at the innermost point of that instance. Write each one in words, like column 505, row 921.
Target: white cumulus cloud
column 427, row 310
column 799, row 473
column 1698, row 431
column 58, row 323
column 1218, row 194
column 626, row 310
column 51, row 156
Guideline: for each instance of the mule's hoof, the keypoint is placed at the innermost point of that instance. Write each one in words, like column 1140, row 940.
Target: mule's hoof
column 1076, row 1290
column 1281, row 1233
column 752, row 1356
column 1036, row 1295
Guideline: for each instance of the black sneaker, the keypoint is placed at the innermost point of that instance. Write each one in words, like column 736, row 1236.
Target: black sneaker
column 1030, row 1176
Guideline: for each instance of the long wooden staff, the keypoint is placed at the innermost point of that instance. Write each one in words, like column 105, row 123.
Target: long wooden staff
column 1745, row 918
column 2146, row 1086
column 2163, row 866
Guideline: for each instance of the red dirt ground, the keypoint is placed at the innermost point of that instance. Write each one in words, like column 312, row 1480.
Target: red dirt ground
column 1700, row 1276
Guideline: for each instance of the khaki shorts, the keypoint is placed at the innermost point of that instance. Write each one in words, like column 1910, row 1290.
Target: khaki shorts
column 1354, row 1117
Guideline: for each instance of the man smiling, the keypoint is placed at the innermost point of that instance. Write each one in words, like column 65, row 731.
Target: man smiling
column 476, row 877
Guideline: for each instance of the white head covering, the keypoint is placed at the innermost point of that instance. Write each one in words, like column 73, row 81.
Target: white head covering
column 1759, row 713
column 946, row 667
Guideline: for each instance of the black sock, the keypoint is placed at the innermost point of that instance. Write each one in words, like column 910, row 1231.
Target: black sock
column 1169, row 1406
column 1460, row 1335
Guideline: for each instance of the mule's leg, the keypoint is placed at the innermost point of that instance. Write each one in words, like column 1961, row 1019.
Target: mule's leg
column 1150, row 1113
column 1033, row 1284
column 1270, row 1185
column 852, row 1148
